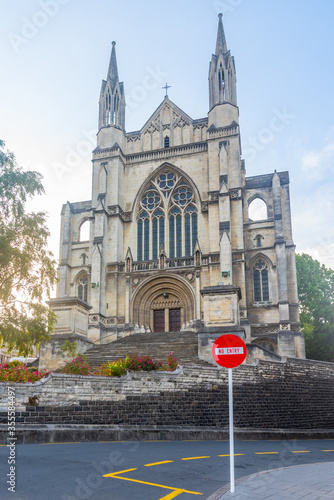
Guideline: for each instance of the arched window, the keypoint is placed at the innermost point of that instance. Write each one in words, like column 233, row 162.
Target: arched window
column 158, row 232
column 108, row 108
column 167, row 216
column 258, row 240
column 84, row 231
column 103, row 180
column 83, row 288
column 142, row 228
column 257, row 210
column 261, row 281
column 166, row 142
column 83, row 259
column 221, row 84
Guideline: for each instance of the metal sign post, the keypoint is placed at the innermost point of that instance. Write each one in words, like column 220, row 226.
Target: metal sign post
column 230, row 411
column 230, row 351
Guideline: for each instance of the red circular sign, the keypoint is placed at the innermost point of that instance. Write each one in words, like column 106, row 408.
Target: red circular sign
column 229, row 351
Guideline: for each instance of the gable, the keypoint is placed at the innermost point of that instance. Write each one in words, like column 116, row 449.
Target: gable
column 166, row 116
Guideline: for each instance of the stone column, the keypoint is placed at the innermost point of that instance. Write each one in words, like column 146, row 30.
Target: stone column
column 127, row 300
column 283, row 298
column 198, row 295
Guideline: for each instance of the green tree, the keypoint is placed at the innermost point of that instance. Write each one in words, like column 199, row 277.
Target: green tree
column 27, row 268
column 316, row 296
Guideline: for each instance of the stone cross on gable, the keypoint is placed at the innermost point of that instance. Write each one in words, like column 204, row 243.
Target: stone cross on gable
column 166, row 87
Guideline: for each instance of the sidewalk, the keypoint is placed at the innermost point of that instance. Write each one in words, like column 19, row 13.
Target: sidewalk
column 307, row 482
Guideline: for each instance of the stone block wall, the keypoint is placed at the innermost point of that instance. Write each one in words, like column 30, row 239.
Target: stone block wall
column 295, row 394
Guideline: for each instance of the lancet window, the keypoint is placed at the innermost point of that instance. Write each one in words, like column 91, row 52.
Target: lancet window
column 167, row 218
column 261, row 281
column 83, row 287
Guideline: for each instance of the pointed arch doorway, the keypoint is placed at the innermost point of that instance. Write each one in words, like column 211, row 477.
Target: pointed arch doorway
column 167, row 310
column 163, row 304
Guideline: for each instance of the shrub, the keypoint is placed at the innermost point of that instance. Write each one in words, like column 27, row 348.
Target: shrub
column 69, row 349
column 136, row 364
column 112, row 369
column 16, row 362
column 13, row 372
column 146, row 363
column 172, row 363
column 78, row 366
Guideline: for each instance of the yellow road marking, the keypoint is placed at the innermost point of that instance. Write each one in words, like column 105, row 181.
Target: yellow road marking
column 178, row 490
column 158, row 463
column 321, row 450
column 235, row 454
column 300, row 451
column 193, row 458
column 174, row 494
column 67, row 442
column 119, row 472
column 266, row 453
column 112, row 441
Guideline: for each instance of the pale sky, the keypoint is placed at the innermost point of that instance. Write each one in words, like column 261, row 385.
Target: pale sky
column 55, row 54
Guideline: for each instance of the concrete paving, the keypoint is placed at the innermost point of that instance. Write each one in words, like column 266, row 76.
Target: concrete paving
column 307, row 482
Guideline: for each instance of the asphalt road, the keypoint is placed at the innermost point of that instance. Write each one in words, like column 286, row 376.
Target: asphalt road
column 146, row 470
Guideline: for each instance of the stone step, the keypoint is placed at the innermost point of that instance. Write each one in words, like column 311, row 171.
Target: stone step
column 183, row 345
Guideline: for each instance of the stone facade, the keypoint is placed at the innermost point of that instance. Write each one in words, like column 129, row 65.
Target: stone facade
column 171, row 244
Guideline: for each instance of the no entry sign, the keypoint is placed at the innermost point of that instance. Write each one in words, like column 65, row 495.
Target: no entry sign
column 229, row 351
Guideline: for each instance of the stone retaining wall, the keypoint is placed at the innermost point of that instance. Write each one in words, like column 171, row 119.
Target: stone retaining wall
column 295, row 394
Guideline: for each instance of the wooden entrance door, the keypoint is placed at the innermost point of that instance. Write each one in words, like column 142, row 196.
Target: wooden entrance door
column 174, row 320
column 159, row 320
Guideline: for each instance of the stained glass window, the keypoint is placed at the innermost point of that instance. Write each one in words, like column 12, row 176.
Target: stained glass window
column 151, row 200
column 261, row 281
column 187, row 235
column 146, row 239
column 83, row 288
column 178, row 236
column 257, row 286
column 183, row 195
column 171, row 237
column 168, row 196
column 161, row 232
column 194, row 230
column 265, row 285
column 155, row 238
column 140, row 240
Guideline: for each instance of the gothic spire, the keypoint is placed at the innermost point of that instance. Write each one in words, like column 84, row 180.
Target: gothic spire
column 112, row 98
column 112, row 71
column 222, row 78
column 221, row 46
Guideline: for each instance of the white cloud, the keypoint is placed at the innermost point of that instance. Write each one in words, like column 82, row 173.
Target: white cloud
column 317, row 164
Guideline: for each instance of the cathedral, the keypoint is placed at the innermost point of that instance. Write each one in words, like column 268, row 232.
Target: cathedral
column 166, row 243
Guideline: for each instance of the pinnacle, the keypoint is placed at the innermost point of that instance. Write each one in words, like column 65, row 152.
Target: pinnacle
column 221, row 46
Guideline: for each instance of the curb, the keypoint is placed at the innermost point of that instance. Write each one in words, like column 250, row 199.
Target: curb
column 53, row 433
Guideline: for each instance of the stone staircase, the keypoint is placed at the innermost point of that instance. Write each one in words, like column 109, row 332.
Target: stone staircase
column 183, row 345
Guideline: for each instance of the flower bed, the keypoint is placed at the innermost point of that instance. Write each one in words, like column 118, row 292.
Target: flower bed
column 79, row 366
column 18, row 372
